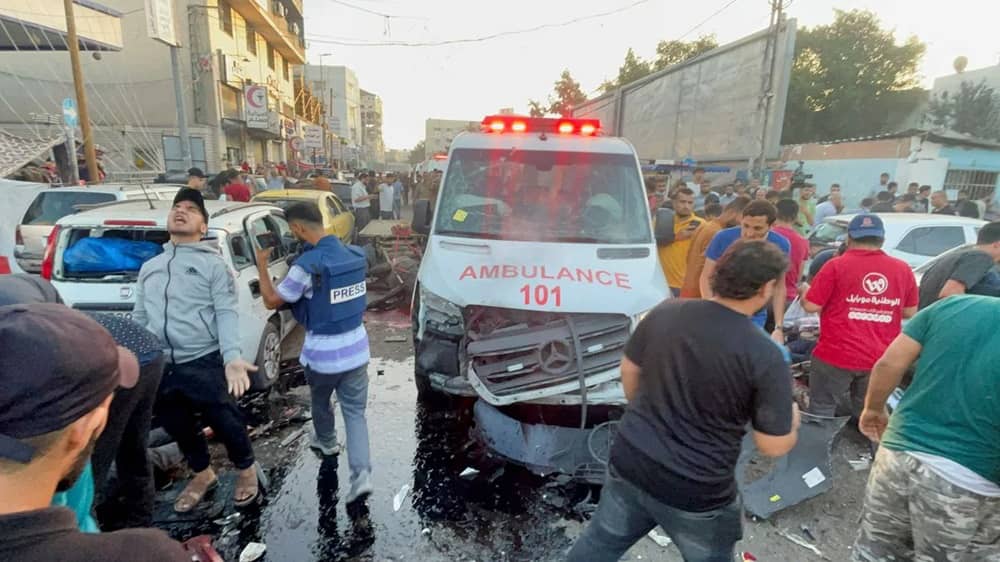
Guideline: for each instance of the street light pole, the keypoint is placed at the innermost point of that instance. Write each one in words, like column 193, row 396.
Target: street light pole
column 90, row 154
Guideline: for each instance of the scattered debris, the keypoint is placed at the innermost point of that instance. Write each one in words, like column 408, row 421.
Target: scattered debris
column 253, row 551
column 814, row 477
column 496, row 474
column 860, row 464
column 231, row 519
column 659, row 539
column 400, row 497
column 291, row 437
column 426, row 532
column 469, row 473
column 201, row 549
column 261, row 430
column 747, row 557
column 808, row 534
column 395, row 339
column 796, row 540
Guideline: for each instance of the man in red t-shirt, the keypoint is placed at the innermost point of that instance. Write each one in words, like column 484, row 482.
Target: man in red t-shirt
column 236, row 190
column 862, row 298
column 788, row 213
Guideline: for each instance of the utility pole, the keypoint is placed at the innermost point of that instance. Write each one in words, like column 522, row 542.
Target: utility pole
column 81, row 95
column 767, row 95
column 182, row 125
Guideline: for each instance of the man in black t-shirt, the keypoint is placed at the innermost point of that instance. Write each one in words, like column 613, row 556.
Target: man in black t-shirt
column 695, row 372
column 58, row 370
column 972, row 271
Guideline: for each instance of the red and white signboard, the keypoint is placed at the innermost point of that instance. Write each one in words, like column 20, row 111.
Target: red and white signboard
column 255, row 106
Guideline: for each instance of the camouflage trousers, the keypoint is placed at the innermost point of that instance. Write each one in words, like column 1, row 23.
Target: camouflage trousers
column 911, row 513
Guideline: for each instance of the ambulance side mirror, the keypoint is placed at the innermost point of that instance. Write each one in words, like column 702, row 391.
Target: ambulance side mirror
column 663, row 231
column 422, row 216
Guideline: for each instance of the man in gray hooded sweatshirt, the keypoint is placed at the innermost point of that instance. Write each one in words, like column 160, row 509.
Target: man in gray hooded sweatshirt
column 187, row 297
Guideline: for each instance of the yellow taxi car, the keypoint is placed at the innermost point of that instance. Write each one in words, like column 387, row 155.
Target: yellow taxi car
column 337, row 219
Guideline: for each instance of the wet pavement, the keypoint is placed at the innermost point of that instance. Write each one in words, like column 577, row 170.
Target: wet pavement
column 501, row 513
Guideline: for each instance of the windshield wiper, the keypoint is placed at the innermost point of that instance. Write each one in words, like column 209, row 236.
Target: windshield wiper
column 469, row 234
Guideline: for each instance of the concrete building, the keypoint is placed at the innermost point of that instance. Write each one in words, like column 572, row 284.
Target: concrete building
column 226, row 47
column 952, row 82
column 338, row 87
column 941, row 159
column 438, row 133
column 371, row 126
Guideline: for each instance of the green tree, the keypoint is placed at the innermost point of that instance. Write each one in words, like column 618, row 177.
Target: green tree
column 631, row 70
column 417, row 153
column 669, row 53
column 848, row 77
column 974, row 110
column 568, row 95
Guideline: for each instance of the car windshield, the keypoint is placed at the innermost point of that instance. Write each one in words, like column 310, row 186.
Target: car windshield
column 828, row 233
column 50, row 206
column 543, row 196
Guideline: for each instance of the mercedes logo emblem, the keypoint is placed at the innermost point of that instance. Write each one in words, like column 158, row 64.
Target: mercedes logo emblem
column 555, row 357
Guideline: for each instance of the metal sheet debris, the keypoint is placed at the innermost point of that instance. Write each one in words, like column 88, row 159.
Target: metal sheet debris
column 400, row 497
column 786, row 484
column 659, row 539
column 469, row 472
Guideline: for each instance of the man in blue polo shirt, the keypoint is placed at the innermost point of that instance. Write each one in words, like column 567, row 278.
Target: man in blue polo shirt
column 758, row 217
column 326, row 288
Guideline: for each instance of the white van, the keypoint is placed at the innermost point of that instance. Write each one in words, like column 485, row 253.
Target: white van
column 540, row 261
column 240, row 228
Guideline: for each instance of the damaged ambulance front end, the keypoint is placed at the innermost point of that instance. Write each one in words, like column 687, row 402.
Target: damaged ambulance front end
column 538, row 268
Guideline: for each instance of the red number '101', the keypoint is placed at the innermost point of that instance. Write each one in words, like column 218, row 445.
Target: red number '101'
column 540, row 294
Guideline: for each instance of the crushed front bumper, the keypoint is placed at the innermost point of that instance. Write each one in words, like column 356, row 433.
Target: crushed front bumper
column 546, row 449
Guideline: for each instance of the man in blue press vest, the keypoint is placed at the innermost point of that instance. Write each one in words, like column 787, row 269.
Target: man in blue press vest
column 326, row 289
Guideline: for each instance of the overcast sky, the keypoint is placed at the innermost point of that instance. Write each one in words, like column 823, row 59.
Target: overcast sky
column 471, row 80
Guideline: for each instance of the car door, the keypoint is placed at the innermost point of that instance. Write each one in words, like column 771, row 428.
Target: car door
column 925, row 242
column 340, row 219
column 279, row 266
column 257, row 227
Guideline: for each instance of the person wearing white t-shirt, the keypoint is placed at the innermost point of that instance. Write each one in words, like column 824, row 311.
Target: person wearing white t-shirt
column 362, row 202
column 386, row 194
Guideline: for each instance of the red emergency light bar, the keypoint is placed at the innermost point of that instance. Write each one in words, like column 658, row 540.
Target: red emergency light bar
column 563, row 126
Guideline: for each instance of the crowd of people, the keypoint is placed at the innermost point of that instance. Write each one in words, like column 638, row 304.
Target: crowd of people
column 934, row 488
column 79, row 391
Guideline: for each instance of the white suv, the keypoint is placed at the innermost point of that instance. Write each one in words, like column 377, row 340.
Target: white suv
column 240, row 228
column 50, row 205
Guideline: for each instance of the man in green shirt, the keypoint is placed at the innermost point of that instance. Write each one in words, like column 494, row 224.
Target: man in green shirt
column 934, row 490
column 807, row 209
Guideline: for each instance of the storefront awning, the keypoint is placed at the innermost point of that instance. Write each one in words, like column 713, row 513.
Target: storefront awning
column 40, row 25
column 16, row 152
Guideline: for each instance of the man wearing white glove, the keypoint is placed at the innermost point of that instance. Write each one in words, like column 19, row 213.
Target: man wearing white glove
column 187, row 297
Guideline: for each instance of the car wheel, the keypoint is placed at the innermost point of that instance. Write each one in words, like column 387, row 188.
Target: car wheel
column 268, row 358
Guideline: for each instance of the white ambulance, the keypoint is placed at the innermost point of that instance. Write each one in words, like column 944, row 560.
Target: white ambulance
column 540, row 261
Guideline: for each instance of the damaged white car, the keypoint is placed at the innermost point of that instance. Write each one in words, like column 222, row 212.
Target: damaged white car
column 540, row 261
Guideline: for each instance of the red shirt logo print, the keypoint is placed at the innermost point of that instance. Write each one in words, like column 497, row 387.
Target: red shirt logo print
column 875, row 284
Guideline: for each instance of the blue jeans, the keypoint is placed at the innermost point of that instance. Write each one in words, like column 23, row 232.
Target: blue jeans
column 625, row 514
column 352, row 393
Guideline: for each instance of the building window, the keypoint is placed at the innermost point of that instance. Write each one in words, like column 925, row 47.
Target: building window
column 284, row 69
column 977, row 183
column 270, row 57
column 225, row 17
column 251, row 41
column 172, row 153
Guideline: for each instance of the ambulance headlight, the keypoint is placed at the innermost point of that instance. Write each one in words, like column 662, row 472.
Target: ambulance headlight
column 440, row 314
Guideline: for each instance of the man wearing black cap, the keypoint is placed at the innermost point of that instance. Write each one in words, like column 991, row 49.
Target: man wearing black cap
column 126, row 436
column 196, row 179
column 187, row 297
column 53, row 406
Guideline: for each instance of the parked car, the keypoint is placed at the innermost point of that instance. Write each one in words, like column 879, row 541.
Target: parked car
column 337, row 219
column 50, row 205
column 239, row 228
column 912, row 237
column 342, row 189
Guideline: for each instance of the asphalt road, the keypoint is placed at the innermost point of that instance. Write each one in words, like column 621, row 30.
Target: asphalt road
column 503, row 513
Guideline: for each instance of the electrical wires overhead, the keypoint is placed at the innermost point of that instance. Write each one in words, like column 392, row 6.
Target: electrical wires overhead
column 326, row 40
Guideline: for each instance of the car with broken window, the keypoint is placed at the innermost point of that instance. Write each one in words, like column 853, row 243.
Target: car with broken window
column 93, row 259
column 540, row 261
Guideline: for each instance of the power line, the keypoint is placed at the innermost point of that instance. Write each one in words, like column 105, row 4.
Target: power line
column 376, row 13
column 706, row 20
column 350, row 43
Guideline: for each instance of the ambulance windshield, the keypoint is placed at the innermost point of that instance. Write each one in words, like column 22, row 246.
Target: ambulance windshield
column 543, row 196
